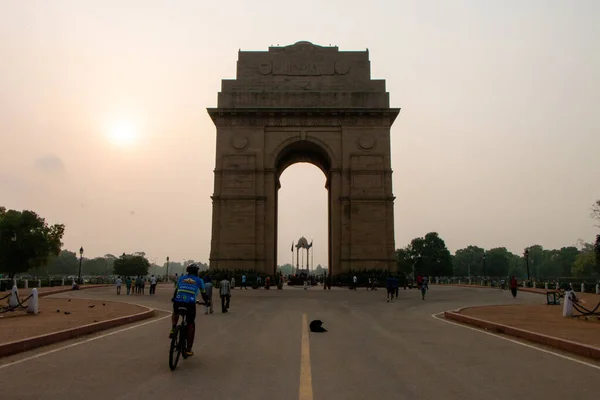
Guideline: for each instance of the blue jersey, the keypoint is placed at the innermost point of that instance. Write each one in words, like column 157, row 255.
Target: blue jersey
column 188, row 287
column 390, row 282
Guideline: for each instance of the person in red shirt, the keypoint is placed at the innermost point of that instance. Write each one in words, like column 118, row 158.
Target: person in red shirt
column 513, row 286
column 419, row 281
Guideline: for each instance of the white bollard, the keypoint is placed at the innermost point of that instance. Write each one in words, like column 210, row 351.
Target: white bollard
column 33, row 306
column 13, row 301
column 39, row 283
column 26, row 284
column 568, row 305
column 546, row 285
column 582, row 287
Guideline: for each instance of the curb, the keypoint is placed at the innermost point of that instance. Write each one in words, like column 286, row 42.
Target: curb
column 519, row 289
column 69, row 289
column 561, row 344
column 8, row 349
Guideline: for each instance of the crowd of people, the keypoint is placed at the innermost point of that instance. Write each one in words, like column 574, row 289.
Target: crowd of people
column 136, row 285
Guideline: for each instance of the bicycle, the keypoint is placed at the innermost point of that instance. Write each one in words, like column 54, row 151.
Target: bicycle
column 179, row 340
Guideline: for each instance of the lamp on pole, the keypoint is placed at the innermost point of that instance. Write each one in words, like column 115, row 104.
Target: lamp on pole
column 80, row 258
column 167, row 268
column 526, row 254
column 13, row 239
column 484, row 263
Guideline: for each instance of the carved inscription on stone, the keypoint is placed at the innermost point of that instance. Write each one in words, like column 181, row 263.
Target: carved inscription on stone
column 238, row 181
column 302, row 67
column 366, row 181
column 367, row 162
column 238, row 162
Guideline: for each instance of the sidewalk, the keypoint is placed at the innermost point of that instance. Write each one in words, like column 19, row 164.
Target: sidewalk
column 539, row 323
column 520, row 288
column 47, row 291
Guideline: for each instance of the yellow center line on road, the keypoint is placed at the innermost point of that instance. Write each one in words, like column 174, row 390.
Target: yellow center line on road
column 306, row 391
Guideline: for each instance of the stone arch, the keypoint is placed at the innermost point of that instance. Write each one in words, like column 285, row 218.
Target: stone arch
column 311, row 150
column 303, row 103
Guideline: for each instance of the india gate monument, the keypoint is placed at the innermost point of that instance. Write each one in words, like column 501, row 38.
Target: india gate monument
column 303, row 103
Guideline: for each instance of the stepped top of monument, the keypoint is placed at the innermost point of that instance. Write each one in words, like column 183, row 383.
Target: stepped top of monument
column 303, row 75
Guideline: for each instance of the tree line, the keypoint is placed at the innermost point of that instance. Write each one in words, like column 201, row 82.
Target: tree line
column 429, row 256
column 29, row 244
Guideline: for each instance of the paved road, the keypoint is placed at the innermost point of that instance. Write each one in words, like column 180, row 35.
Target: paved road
column 373, row 350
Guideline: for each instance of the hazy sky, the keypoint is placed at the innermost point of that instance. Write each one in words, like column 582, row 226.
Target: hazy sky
column 496, row 145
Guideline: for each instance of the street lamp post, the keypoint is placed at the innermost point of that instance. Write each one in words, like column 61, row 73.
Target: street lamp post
column 526, row 254
column 167, row 268
column 484, row 264
column 80, row 258
column 13, row 239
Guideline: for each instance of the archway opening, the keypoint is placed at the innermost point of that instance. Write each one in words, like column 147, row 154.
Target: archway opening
column 302, row 209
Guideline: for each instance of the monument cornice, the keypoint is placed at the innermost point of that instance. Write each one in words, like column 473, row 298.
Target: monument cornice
column 383, row 117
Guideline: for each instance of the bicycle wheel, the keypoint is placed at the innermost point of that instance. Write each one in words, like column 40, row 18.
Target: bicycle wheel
column 174, row 350
column 183, row 340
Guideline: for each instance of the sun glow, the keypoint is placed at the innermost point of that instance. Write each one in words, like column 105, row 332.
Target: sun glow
column 122, row 133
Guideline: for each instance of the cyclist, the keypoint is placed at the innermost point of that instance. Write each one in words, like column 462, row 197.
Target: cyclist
column 186, row 292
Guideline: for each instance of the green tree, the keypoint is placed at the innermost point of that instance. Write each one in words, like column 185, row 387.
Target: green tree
column 498, row 261
column 431, row 255
column 565, row 259
column 404, row 261
column 131, row 265
column 536, row 259
column 26, row 241
column 467, row 260
column 64, row 264
column 585, row 265
column 516, row 265
column 99, row 266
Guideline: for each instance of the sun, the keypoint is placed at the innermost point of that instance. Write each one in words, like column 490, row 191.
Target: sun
column 122, row 133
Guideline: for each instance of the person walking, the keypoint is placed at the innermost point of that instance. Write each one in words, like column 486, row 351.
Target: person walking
column 128, row 285
column 244, row 282
column 153, row 282
column 225, row 292
column 118, row 283
column 390, row 288
column 513, row 286
column 208, row 287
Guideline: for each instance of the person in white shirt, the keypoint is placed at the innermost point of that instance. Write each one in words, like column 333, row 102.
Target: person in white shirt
column 354, row 282
column 118, row 283
column 153, row 282
column 225, row 292
column 208, row 287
